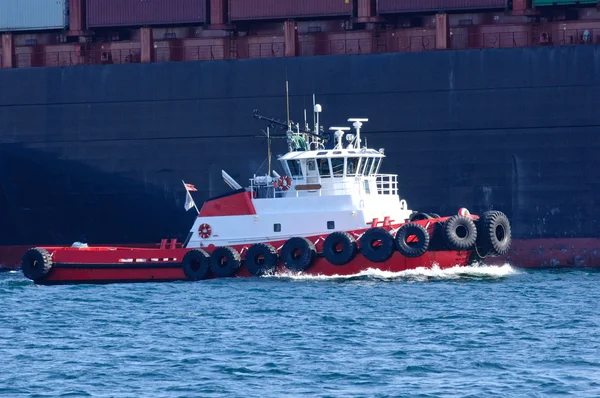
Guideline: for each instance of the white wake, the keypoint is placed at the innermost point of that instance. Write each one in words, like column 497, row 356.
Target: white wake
column 481, row 272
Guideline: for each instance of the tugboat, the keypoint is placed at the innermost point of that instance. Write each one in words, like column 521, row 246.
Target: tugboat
column 330, row 213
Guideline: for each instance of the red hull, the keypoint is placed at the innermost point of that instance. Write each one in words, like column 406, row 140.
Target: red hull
column 112, row 273
column 525, row 253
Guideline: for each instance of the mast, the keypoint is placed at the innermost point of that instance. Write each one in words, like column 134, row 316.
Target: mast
column 358, row 122
column 287, row 99
column 314, row 114
column 269, row 150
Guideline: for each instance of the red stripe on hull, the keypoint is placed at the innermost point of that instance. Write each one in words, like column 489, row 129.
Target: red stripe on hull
column 89, row 274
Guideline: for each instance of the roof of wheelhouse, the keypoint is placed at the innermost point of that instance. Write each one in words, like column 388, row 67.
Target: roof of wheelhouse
column 332, row 153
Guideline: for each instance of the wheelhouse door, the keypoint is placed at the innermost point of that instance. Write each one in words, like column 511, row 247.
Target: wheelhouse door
column 312, row 174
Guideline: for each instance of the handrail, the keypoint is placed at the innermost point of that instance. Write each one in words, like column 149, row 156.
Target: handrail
column 385, row 184
column 208, row 52
column 307, row 45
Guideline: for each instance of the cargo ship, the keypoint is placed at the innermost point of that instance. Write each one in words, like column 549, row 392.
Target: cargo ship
column 106, row 105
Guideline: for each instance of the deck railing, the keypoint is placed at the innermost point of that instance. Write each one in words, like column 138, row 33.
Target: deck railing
column 308, row 45
column 387, row 184
column 190, row 53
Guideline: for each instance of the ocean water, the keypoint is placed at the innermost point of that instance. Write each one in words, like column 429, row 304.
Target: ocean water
column 465, row 332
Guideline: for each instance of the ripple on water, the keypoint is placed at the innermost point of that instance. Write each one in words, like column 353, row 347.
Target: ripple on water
column 474, row 331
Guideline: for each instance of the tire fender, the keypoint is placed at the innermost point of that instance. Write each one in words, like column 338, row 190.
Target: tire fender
column 460, row 233
column 196, row 265
column 377, row 245
column 419, row 216
column 494, row 234
column 339, row 248
column 414, row 248
column 36, row 263
column 298, row 254
column 261, row 259
column 225, row 262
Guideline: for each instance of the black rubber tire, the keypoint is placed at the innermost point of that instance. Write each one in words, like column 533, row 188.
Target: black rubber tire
column 460, row 233
column 495, row 235
column 434, row 215
column 380, row 253
column 298, row 254
column 419, row 216
column 225, row 262
column 412, row 249
column 348, row 250
column 196, row 264
column 261, row 259
column 36, row 263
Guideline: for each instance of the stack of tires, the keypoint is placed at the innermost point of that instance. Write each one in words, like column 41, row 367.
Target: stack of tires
column 489, row 235
column 494, row 234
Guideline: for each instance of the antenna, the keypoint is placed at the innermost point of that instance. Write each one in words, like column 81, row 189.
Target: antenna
column 314, row 114
column 305, row 125
column 318, row 109
column 287, row 97
column 358, row 122
column 339, row 134
column 269, row 147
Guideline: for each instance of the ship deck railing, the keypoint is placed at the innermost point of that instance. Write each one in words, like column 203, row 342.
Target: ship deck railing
column 385, row 184
column 309, row 44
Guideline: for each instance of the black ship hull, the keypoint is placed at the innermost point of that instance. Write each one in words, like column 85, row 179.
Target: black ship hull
column 98, row 153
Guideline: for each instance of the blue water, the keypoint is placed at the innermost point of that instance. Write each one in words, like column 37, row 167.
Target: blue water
column 476, row 332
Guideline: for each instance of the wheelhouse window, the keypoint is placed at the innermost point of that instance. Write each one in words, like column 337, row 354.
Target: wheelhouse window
column 352, row 166
column 368, row 163
column 376, row 164
column 323, row 165
column 337, row 164
column 310, row 164
column 295, row 168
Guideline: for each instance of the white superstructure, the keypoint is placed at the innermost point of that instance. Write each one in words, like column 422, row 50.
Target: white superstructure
column 323, row 190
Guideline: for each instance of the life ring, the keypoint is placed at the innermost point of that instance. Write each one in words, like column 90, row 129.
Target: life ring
column 463, row 211
column 494, row 234
column 377, row 245
column 195, row 264
column 261, row 259
column 225, row 262
column 284, row 182
column 414, row 248
column 460, row 233
column 339, row 248
column 36, row 263
column 298, row 254
column 204, row 230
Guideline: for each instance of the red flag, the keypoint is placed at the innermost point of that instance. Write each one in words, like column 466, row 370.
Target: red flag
column 190, row 187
